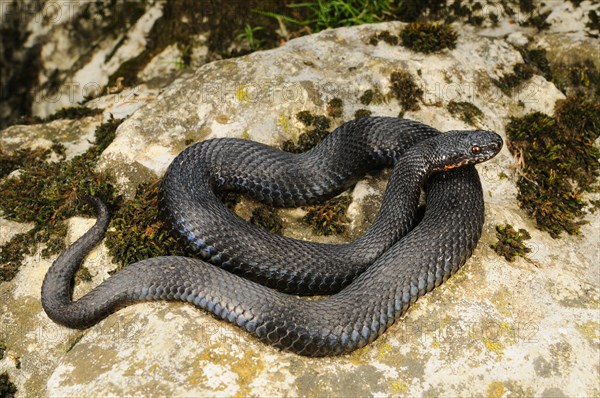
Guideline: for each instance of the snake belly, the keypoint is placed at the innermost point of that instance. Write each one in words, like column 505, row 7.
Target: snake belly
column 423, row 259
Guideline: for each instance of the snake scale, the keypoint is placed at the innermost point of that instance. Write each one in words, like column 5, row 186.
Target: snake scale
column 373, row 280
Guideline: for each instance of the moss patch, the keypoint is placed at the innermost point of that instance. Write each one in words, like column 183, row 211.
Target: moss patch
column 559, row 162
column 267, row 218
column 371, row 96
column 7, row 388
column 537, row 58
column 2, row 350
column 328, row 218
column 335, row 107
column 75, row 112
column 136, row 231
column 578, row 78
column 465, row 111
column 21, row 158
column 510, row 242
column 521, row 73
column 427, row 37
column 46, row 194
column 319, row 130
column 384, row 36
column 405, row 90
column 362, row 113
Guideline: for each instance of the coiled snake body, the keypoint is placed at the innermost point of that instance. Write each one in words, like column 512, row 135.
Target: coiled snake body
column 369, row 298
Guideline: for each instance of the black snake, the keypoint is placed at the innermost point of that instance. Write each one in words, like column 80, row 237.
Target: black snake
column 369, row 298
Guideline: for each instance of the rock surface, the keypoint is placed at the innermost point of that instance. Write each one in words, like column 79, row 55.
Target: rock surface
column 528, row 328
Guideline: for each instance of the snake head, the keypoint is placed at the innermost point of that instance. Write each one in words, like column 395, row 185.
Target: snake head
column 460, row 148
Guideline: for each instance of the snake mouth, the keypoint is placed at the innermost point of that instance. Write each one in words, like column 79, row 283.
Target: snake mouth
column 456, row 165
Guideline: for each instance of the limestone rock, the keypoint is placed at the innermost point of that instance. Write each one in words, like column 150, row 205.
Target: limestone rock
column 495, row 328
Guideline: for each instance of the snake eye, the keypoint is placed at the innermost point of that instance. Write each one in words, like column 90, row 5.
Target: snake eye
column 475, row 149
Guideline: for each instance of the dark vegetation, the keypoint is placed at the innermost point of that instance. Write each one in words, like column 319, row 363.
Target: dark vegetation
column 75, row 112
column 405, row 90
column 427, row 37
column 137, row 232
column 510, row 242
column 420, row 36
column 7, row 388
column 266, row 217
column 47, row 193
column 465, row 111
column 558, row 162
column 328, row 218
column 319, row 128
column 557, row 156
column 521, row 73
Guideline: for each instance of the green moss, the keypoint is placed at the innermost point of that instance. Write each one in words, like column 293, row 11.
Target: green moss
column 559, row 162
column 83, row 275
column 328, row 218
column 510, row 242
column 466, row 111
column 521, row 73
column 267, row 218
column 405, row 90
column 321, row 122
column 306, row 141
column 77, row 112
column 12, row 255
column 7, row 388
column 427, row 37
column 537, row 58
column 335, row 107
column 366, row 97
column 21, row 158
column 2, row 350
column 305, row 117
column 46, row 194
column 137, row 232
column 578, row 78
column 384, row 36
column 362, row 113
column 371, row 96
